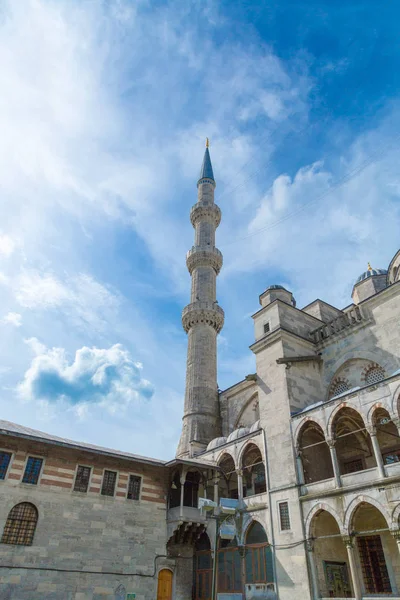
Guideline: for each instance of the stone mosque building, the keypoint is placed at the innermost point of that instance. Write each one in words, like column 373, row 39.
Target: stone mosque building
column 296, row 468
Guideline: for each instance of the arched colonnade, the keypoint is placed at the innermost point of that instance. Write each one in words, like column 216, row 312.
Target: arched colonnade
column 356, row 557
column 352, row 440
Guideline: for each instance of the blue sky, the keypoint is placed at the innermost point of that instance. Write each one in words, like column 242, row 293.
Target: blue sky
column 104, row 110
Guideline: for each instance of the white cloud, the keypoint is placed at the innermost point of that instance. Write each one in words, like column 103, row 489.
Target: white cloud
column 80, row 298
column 13, row 318
column 104, row 376
column 7, row 245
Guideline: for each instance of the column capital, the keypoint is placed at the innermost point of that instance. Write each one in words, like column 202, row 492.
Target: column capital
column 371, row 430
column 331, row 442
column 348, row 541
column 239, row 472
column 396, row 534
column 310, row 545
column 396, row 421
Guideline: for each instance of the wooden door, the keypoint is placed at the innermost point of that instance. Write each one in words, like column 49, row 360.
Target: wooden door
column 164, row 589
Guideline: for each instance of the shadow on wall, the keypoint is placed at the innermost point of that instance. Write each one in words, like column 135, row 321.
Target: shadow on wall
column 282, row 577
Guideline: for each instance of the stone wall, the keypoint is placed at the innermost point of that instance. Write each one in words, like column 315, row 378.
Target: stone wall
column 97, row 542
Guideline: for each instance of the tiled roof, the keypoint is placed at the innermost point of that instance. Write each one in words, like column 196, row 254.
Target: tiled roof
column 8, row 428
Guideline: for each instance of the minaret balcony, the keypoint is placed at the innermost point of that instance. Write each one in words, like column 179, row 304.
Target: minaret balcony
column 202, row 312
column 204, row 256
column 205, row 211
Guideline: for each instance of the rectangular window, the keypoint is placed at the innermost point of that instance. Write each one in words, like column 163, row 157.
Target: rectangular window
column 32, row 470
column 82, row 479
column 266, row 328
column 5, row 458
column 284, row 516
column 109, row 481
column 373, row 565
column 134, row 487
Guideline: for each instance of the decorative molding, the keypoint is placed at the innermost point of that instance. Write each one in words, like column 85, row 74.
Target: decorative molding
column 199, row 313
column 203, row 212
column 204, row 256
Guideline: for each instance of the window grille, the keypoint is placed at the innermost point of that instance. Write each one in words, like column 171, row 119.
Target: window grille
column 109, row 480
column 32, row 470
column 339, row 388
column 134, row 487
column 373, row 565
column 82, row 479
column 352, row 466
column 374, row 375
column 20, row 525
column 266, row 327
column 284, row 515
column 5, row 458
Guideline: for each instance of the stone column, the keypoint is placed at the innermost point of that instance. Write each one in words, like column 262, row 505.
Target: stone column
column 300, row 468
column 182, row 481
column 239, row 474
column 335, row 464
column 313, row 570
column 349, row 543
column 377, row 451
column 216, row 482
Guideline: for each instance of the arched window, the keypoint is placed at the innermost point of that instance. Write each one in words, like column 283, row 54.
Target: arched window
column 338, row 387
column 228, row 484
column 315, row 453
column 258, row 556
column 253, row 471
column 20, row 525
column 374, row 375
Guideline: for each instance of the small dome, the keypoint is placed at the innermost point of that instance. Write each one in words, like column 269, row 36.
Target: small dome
column 371, row 273
column 216, row 442
column 237, row 433
column 255, row 426
column 276, row 287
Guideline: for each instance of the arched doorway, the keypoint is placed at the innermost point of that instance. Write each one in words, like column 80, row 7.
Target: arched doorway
column 164, row 587
column 377, row 551
column 203, row 569
column 258, row 559
column 315, row 453
column 331, row 558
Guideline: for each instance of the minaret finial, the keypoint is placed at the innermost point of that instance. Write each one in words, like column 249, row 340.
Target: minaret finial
column 369, row 267
column 207, row 143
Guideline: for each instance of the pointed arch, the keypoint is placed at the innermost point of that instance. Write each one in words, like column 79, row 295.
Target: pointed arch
column 252, row 400
column 396, row 516
column 316, row 510
column 359, row 501
column 339, row 407
column 316, row 419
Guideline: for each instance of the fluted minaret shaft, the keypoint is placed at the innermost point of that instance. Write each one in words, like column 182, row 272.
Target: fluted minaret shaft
column 202, row 319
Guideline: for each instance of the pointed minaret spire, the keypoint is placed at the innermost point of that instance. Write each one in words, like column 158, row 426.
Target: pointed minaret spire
column 206, row 171
column 202, row 320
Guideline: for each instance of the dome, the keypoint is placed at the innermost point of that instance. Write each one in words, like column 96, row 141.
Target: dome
column 237, row 433
column 275, row 287
column 216, row 442
column 371, row 273
column 255, row 426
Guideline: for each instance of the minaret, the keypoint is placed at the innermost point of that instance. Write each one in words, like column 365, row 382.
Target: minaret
column 202, row 319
